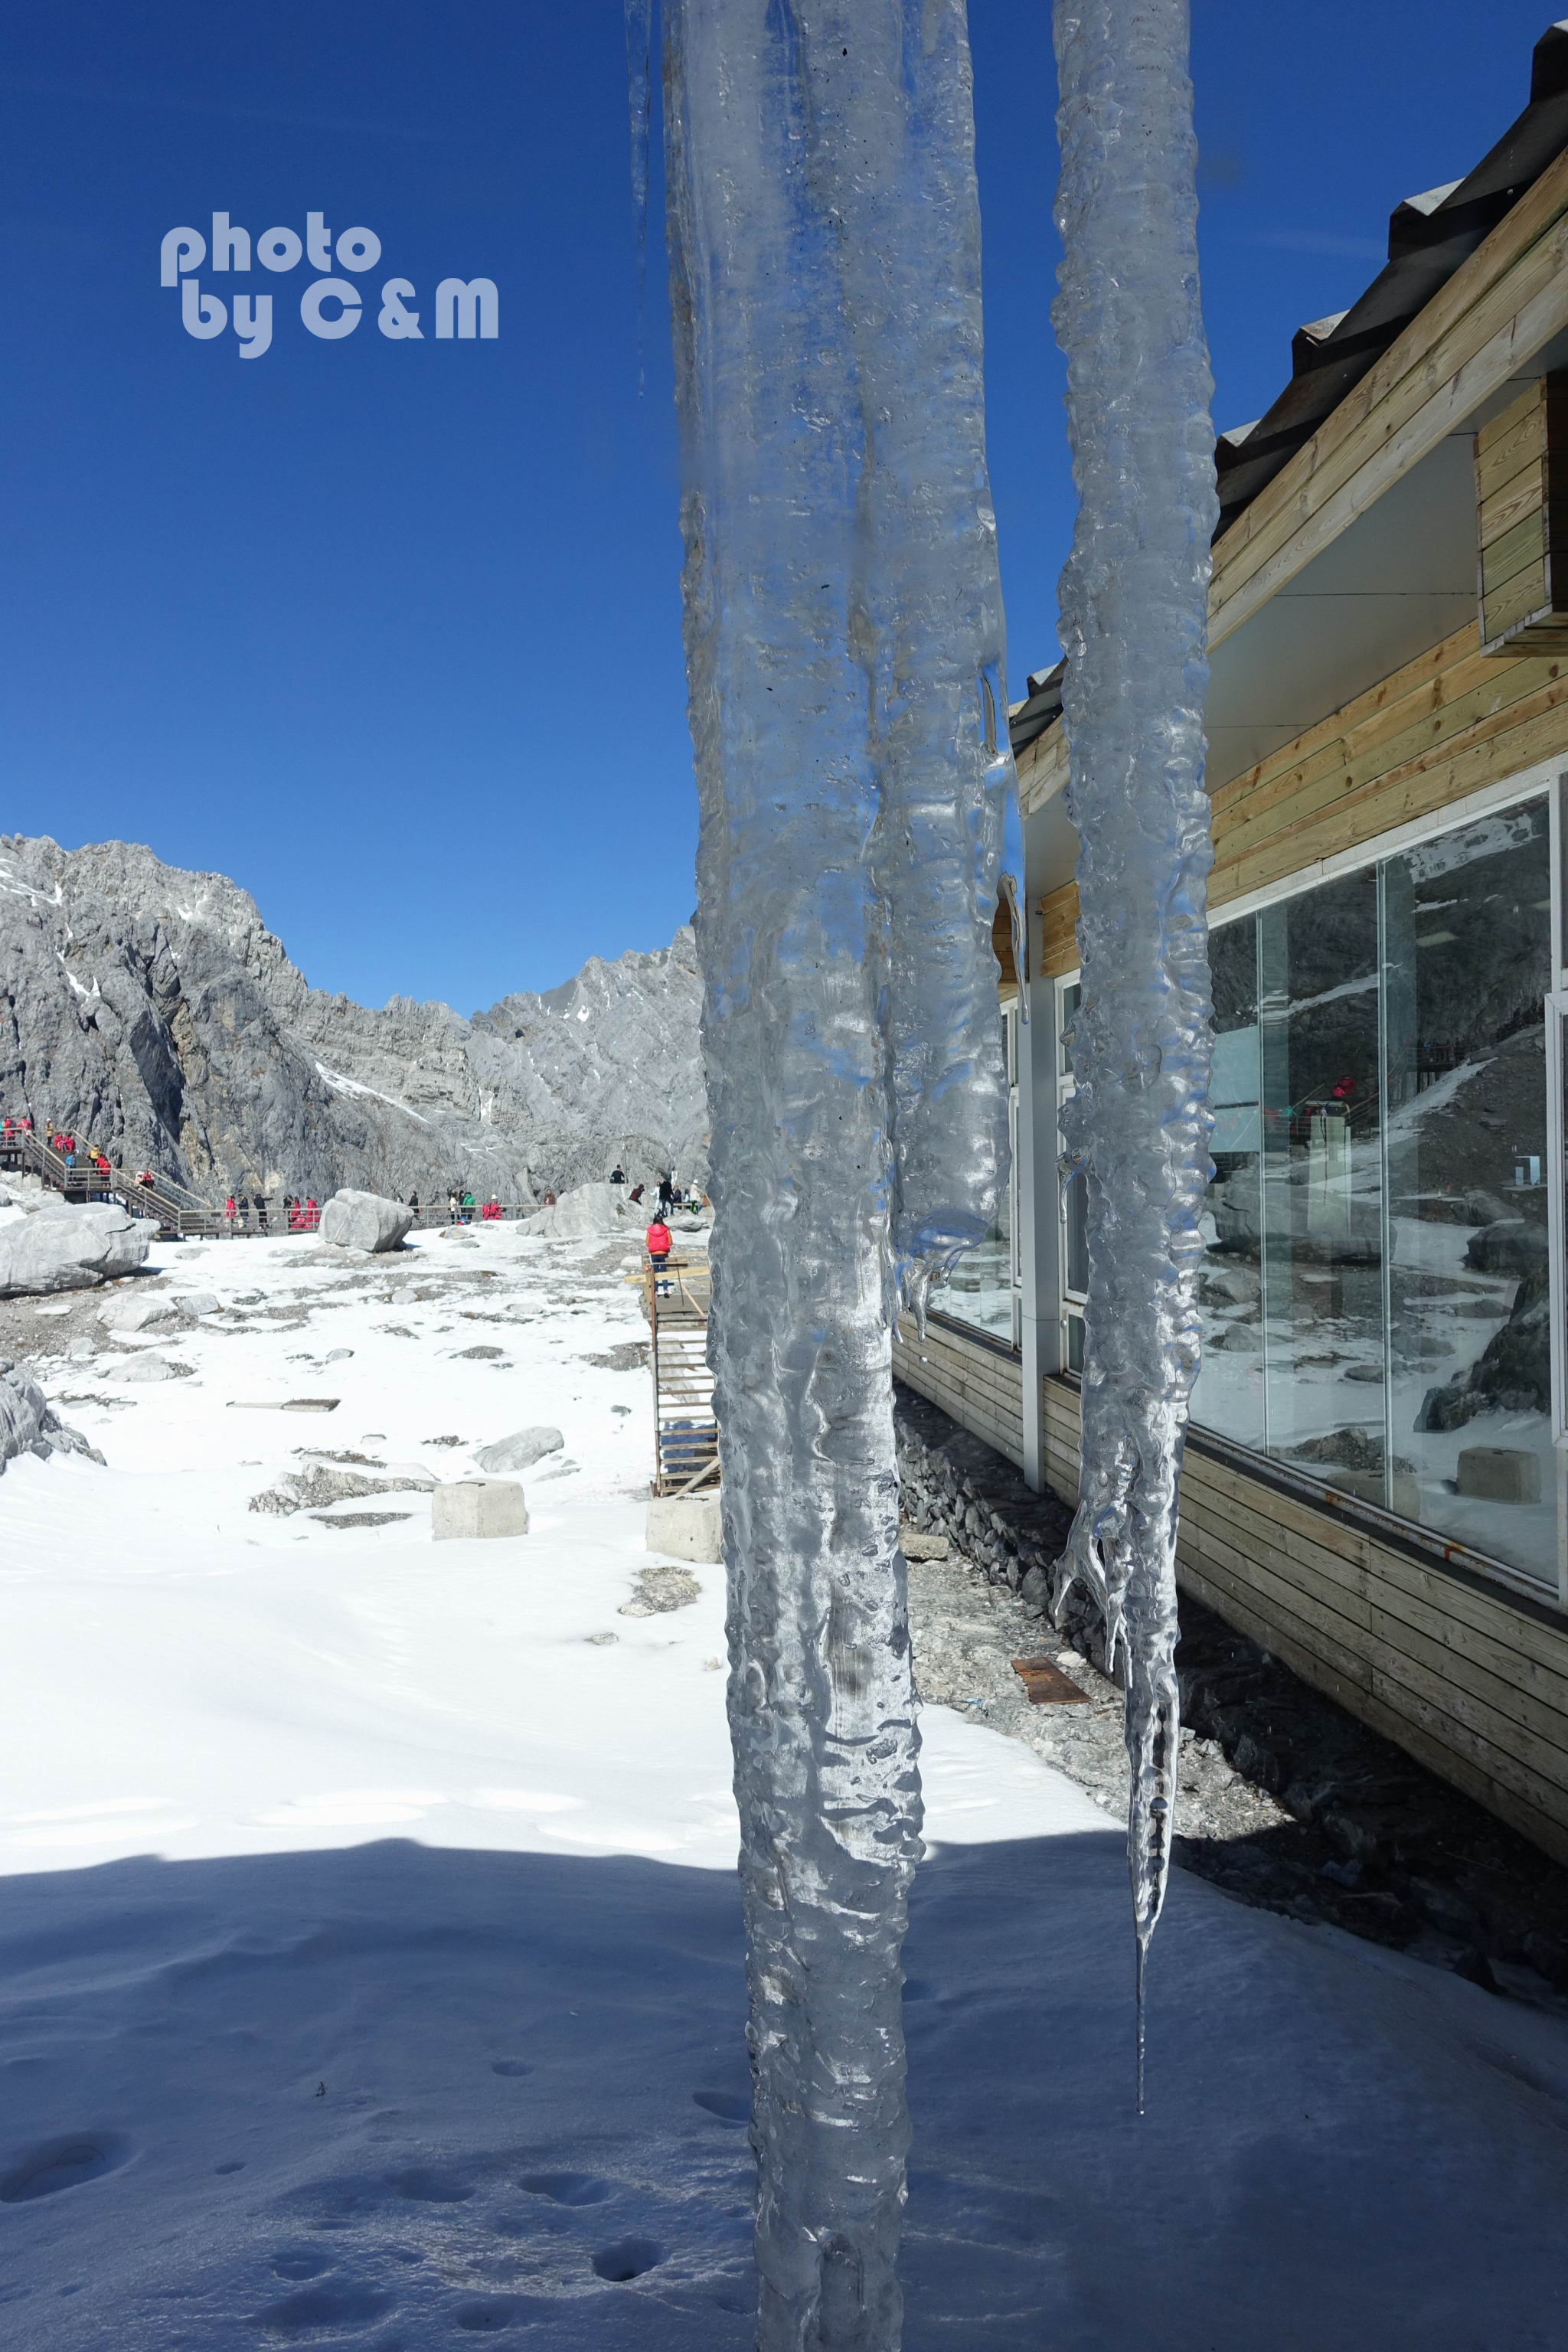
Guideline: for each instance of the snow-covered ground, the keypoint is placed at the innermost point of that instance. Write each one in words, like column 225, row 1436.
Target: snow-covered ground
column 370, row 1960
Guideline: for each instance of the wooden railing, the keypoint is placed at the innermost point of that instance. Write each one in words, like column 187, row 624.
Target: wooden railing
column 80, row 1177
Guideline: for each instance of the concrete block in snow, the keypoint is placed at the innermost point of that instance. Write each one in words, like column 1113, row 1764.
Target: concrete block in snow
column 1500, row 1473
column 686, row 1526
column 479, row 1507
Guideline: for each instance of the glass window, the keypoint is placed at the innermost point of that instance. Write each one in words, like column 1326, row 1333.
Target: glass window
column 982, row 1289
column 1467, row 951
column 1230, row 1391
column 1322, row 1183
column 1075, row 1191
column 1374, row 1287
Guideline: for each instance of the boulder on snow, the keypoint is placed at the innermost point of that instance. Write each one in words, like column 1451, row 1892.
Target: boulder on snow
column 71, row 1249
column 521, row 1450
column 28, row 1425
column 134, row 1310
column 198, row 1302
column 589, row 1210
column 149, row 1367
column 321, row 1484
column 364, row 1221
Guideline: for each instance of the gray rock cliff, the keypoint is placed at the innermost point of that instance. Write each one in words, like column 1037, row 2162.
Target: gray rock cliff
column 151, row 1011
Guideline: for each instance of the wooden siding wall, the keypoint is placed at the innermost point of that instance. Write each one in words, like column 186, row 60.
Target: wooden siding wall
column 981, row 1387
column 1451, row 722
column 1473, row 1686
column 1521, row 498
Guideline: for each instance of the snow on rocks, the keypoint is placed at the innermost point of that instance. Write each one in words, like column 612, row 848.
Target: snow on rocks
column 132, row 1310
column 323, row 1483
column 364, row 1221
column 661, row 1590
column 587, row 1209
column 521, row 1450
column 139, row 1370
column 69, row 1248
column 28, row 1424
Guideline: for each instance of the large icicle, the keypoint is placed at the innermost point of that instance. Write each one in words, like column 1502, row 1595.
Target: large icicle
column 1135, row 608
column 843, row 632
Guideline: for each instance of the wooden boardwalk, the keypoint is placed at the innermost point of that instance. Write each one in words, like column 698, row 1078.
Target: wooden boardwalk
column 686, row 1437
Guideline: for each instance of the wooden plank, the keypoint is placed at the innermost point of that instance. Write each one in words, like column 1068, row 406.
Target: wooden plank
column 1484, row 1695
column 1318, row 1568
column 1276, row 1621
column 1407, row 679
column 1520, row 549
column 1321, row 1574
column 1279, row 1506
column 1058, row 928
column 1524, row 495
column 1335, row 1635
column 1469, row 688
column 1423, row 789
column 1002, row 1404
column 1541, row 1712
column 1515, row 604
column 1525, row 1765
column 1500, row 698
column 1507, row 442
column 1388, row 1571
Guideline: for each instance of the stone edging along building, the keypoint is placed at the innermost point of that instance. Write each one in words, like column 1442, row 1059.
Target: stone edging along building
column 1376, row 1480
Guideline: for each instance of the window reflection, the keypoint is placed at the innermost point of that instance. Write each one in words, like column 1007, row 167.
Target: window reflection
column 1468, row 961
column 982, row 1290
column 1230, row 1391
column 1322, row 1189
column 1374, row 1285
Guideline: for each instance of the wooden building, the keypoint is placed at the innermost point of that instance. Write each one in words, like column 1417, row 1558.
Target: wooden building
column 1376, row 1481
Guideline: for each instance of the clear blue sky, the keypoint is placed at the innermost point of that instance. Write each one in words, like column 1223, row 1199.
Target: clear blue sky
column 389, row 631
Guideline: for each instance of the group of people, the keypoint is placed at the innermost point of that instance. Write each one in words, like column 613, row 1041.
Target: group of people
column 61, row 1142
column 302, row 1215
column 461, row 1209
column 670, row 1195
column 96, row 1166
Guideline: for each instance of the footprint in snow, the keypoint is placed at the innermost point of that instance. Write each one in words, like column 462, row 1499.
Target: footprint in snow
column 724, row 2106
column 430, row 2184
column 302, row 2263
column 627, row 2259
column 333, row 2306
column 566, row 2188
column 56, row 2164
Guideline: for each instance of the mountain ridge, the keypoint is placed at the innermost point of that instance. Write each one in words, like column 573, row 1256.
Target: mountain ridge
column 150, row 1010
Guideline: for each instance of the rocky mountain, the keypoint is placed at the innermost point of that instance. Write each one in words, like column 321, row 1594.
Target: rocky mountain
column 151, row 1011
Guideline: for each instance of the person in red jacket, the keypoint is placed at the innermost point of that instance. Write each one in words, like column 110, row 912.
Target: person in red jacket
column 658, row 1241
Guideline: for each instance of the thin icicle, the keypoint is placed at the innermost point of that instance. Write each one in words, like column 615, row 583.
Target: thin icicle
column 640, row 60
column 1134, row 610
